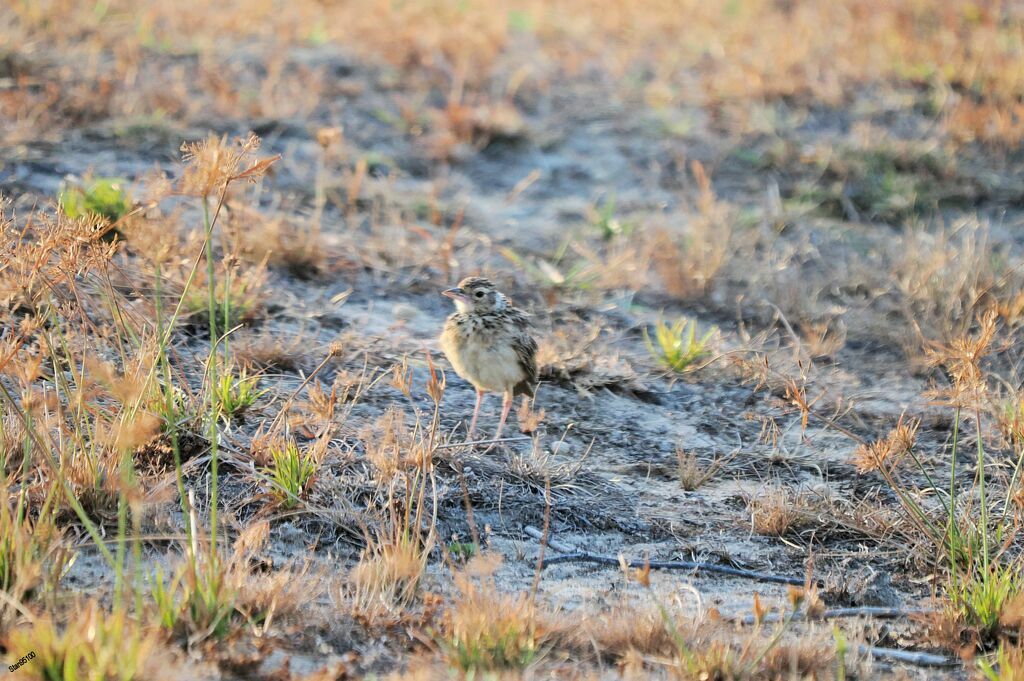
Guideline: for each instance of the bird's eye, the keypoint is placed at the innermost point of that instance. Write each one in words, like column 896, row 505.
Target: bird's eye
column 479, row 294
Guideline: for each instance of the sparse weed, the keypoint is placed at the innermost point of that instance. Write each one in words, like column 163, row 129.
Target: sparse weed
column 979, row 596
column 692, row 472
column 387, row 577
column 211, row 596
column 234, row 395
column 777, row 511
column 488, row 631
column 30, row 552
column 94, row 646
column 235, row 298
column 676, row 346
column 579, row 276
column 205, row 601
column 102, row 196
column 290, row 473
column 687, row 260
column 607, row 224
column 1009, row 416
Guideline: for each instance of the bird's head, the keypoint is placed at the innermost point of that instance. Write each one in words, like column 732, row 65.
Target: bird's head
column 476, row 294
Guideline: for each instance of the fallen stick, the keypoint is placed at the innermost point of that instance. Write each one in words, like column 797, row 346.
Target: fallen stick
column 910, row 657
column 449, row 445
column 570, row 555
column 833, row 613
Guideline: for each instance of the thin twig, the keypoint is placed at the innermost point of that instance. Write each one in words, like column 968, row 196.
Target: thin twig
column 834, row 613
column 543, row 539
column 451, row 445
column 910, row 657
column 570, row 556
column 288, row 402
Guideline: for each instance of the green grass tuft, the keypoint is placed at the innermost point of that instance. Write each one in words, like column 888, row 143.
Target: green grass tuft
column 103, row 196
column 234, row 395
column 677, row 346
column 290, row 474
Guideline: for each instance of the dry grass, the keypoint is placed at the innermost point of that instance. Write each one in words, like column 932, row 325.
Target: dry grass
column 96, row 645
column 486, row 630
column 946, row 279
column 757, row 51
column 889, row 451
column 688, row 260
column 693, row 473
column 129, row 309
column 777, row 511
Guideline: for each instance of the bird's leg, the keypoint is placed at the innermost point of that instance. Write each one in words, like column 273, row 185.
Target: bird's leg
column 476, row 412
column 506, row 406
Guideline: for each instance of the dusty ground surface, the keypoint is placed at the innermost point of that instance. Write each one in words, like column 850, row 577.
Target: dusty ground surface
column 819, row 213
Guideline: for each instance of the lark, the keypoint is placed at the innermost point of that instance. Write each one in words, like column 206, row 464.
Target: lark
column 488, row 343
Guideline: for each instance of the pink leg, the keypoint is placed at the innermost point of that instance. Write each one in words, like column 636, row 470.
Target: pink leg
column 506, row 407
column 476, row 411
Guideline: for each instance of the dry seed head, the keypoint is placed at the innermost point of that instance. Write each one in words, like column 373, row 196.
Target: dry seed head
column 156, row 239
column 212, row 163
column 330, row 137
column 759, row 609
column 26, row 368
column 251, row 541
column 643, row 574
column 797, row 396
column 140, row 430
column 322, row 402
column 962, row 360
column 795, row 596
column 529, row 419
column 692, row 472
column 435, row 385
column 888, row 451
column 154, row 188
column 401, row 377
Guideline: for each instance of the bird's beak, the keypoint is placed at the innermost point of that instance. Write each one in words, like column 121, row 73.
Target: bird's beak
column 456, row 294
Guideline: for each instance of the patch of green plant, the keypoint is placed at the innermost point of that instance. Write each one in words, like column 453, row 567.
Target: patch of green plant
column 980, row 596
column 842, row 647
column 103, row 196
column 231, row 305
column 164, row 596
column 462, row 551
column 890, row 184
column 197, row 599
column 604, row 220
column 95, row 645
column 520, row 21
column 175, row 411
column 290, row 474
column 28, row 562
column 317, row 35
column 677, row 346
column 234, row 395
column 579, row 277
column 981, row 579
column 508, row 648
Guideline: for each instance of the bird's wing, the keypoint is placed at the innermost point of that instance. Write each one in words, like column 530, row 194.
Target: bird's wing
column 526, row 352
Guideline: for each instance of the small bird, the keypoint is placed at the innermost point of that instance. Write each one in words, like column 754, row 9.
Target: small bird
column 488, row 343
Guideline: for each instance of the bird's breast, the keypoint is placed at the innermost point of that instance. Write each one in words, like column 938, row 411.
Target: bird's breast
column 487, row 360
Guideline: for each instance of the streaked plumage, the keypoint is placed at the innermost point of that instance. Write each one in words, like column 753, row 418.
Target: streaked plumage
column 488, row 343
